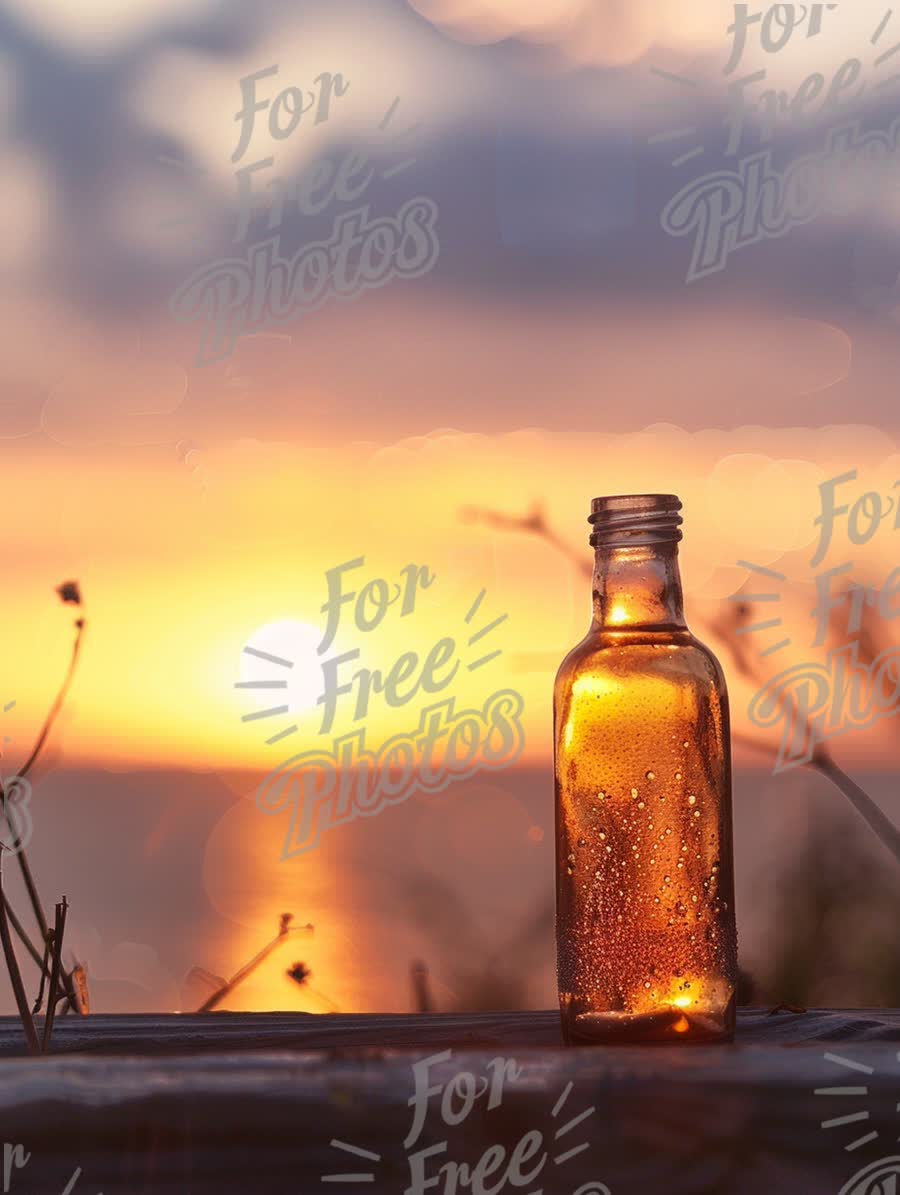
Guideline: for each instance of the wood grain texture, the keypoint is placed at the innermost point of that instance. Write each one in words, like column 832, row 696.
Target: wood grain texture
column 155, row 1033
column 236, row 1102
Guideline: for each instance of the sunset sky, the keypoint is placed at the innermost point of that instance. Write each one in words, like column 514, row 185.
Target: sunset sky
column 554, row 352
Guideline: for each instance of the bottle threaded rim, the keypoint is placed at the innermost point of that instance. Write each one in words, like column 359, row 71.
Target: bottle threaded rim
column 629, row 520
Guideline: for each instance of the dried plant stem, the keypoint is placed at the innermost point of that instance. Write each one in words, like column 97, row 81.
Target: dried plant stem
column 860, row 800
column 24, row 867
column 45, row 930
column 823, row 763
column 59, row 929
column 284, row 931
column 23, row 936
column 536, row 524
column 58, row 701
column 10, row 911
column 29, row 763
column 39, row 1000
column 15, row 976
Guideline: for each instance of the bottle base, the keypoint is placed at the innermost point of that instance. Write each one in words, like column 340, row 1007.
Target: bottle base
column 665, row 1026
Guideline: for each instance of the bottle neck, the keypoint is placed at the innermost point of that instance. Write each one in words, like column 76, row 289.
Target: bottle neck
column 637, row 588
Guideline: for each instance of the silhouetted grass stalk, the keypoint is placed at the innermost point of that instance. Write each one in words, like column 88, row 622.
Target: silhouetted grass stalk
column 68, row 592
column 59, row 929
column 52, row 715
column 15, row 976
column 284, row 931
column 535, row 523
column 860, row 800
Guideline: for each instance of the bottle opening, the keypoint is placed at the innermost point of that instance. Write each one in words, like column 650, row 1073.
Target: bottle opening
column 629, row 520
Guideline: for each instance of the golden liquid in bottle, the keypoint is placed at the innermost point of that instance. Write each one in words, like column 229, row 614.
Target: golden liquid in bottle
column 646, row 934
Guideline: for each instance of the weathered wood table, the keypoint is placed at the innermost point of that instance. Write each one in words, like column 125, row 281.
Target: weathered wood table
column 253, row 1102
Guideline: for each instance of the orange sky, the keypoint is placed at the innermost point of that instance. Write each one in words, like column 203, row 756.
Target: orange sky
column 553, row 354
column 180, row 570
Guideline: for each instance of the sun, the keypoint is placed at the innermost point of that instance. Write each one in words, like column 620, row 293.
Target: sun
column 281, row 673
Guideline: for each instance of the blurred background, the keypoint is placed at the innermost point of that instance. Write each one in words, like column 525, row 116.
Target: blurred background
column 554, row 350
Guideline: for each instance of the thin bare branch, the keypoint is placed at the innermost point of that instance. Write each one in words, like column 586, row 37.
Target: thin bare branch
column 24, row 866
column 59, row 929
column 57, row 705
column 534, row 523
column 48, row 946
column 284, row 931
column 725, row 628
column 20, row 930
column 15, row 976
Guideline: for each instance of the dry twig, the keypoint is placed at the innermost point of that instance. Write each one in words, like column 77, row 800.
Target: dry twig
column 59, row 929
column 284, row 931
column 15, row 976
column 725, row 628
column 69, row 592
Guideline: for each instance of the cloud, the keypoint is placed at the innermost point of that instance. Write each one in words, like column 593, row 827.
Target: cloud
column 194, row 99
column 751, row 492
column 609, row 32
column 123, row 396
column 614, row 33
column 93, row 26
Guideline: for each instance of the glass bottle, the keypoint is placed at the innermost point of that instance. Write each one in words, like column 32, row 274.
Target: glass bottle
column 646, row 937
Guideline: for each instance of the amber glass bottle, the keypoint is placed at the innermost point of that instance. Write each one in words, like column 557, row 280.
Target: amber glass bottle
column 646, row 939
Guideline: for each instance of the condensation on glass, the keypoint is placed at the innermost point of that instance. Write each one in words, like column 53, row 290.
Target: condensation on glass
column 646, row 939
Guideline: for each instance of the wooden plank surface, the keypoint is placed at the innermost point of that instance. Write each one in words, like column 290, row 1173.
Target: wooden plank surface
column 154, row 1033
column 240, row 1103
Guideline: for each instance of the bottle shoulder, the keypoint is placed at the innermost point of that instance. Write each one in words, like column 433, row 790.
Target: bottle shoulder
column 620, row 652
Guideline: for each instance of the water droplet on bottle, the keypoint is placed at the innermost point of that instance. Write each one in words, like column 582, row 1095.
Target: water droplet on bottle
column 678, row 775
column 634, row 794
column 692, row 800
column 651, row 775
